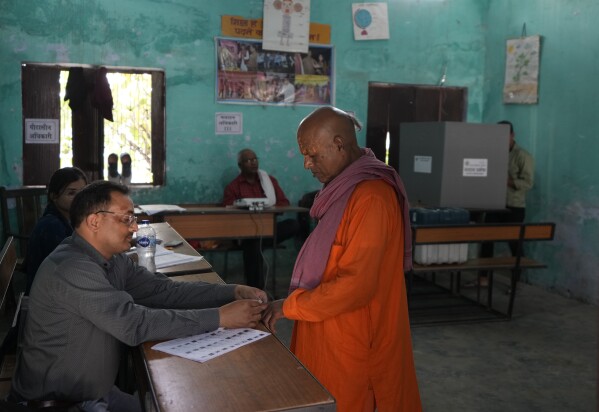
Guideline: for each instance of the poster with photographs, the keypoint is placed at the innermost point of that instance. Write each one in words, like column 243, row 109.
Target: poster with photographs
column 247, row 74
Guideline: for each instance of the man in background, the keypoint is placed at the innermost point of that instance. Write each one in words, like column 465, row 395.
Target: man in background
column 520, row 180
column 348, row 294
column 253, row 182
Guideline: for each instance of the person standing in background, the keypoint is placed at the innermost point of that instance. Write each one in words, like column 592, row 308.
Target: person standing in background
column 348, row 293
column 520, row 180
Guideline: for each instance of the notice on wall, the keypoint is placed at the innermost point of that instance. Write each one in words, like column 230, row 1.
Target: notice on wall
column 228, row 123
column 423, row 164
column 237, row 26
column 286, row 25
column 41, row 131
column 475, row 168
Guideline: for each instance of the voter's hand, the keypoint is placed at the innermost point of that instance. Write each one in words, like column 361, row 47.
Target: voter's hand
column 273, row 313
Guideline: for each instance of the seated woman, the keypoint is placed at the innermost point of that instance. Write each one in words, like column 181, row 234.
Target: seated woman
column 54, row 225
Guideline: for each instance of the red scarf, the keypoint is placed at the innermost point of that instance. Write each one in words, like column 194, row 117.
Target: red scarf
column 328, row 208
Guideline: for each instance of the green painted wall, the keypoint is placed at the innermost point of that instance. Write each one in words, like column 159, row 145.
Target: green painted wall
column 561, row 131
column 467, row 36
column 178, row 36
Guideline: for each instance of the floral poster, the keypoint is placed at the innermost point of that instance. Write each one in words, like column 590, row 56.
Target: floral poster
column 248, row 74
column 522, row 70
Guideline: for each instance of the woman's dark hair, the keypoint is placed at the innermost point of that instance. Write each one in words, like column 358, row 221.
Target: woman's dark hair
column 92, row 198
column 62, row 178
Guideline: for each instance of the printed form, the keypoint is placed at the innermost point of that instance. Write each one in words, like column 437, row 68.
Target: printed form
column 201, row 348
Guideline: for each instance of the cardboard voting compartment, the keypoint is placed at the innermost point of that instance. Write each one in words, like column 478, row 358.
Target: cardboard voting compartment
column 454, row 164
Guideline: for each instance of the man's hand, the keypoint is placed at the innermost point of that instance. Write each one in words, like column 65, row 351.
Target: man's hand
column 244, row 313
column 273, row 313
column 248, row 292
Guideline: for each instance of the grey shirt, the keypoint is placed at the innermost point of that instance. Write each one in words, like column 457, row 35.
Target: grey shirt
column 82, row 307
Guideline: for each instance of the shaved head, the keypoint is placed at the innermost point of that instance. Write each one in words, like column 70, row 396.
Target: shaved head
column 327, row 140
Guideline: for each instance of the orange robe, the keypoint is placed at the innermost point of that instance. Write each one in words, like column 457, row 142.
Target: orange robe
column 352, row 331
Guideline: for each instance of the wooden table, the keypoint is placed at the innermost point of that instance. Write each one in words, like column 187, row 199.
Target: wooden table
column 261, row 376
column 165, row 232
column 219, row 222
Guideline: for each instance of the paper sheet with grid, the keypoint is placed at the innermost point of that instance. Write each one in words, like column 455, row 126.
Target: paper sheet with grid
column 206, row 346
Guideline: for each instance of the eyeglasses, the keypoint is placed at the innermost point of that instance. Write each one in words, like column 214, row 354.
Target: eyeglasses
column 251, row 160
column 126, row 220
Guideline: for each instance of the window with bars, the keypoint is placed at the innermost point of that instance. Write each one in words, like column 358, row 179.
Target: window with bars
column 86, row 137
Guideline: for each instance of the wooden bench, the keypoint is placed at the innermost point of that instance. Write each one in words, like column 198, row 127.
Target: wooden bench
column 479, row 233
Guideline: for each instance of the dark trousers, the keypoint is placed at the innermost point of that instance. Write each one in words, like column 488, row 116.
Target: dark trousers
column 252, row 252
column 513, row 215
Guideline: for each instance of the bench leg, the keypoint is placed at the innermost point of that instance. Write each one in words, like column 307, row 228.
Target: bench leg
column 513, row 283
column 490, row 291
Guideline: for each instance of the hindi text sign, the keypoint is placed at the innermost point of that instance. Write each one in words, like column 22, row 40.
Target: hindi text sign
column 41, row 131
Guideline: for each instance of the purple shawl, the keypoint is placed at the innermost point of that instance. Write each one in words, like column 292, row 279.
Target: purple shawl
column 328, row 208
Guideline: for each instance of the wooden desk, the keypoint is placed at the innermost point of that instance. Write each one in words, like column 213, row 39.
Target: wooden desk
column 166, row 233
column 219, row 222
column 261, row 376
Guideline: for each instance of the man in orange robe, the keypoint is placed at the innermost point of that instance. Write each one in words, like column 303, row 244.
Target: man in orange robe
column 347, row 292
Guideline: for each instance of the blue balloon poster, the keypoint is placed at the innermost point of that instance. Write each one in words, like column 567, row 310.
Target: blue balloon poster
column 370, row 20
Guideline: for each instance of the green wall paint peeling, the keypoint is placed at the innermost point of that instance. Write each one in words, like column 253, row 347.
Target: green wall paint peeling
column 560, row 131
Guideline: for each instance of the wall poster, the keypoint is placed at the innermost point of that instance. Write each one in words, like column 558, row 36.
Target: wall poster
column 247, row 74
column 286, row 25
column 522, row 70
column 371, row 21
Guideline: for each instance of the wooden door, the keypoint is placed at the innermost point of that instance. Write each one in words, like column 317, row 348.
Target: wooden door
column 390, row 104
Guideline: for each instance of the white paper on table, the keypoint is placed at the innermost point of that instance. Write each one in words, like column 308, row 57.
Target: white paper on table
column 153, row 209
column 201, row 348
column 172, row 259
column 161, row 250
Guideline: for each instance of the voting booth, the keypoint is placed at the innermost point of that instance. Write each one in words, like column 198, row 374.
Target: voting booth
column 454, row 164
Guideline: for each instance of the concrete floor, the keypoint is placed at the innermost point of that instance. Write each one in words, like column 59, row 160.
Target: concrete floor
column 543, row 359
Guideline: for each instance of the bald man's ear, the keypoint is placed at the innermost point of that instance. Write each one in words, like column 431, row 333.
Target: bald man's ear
column 338, row 141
